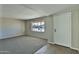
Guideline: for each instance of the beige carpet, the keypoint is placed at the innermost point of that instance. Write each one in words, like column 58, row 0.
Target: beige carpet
column 21, row 45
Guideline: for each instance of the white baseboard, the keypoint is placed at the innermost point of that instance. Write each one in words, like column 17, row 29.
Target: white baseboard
column 65, row 46
column 12, row 36
column 51, row 42
column 74, row 48
column 56, row 43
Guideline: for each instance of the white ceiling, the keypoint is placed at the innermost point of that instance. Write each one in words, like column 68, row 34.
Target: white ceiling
column 29, row 11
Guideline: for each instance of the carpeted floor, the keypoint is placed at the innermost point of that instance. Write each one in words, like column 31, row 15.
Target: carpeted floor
column 21, row 45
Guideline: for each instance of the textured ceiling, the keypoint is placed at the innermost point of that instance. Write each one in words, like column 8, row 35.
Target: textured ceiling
column 29, row 11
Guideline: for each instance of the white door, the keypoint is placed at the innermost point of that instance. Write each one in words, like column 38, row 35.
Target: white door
column 62, row 29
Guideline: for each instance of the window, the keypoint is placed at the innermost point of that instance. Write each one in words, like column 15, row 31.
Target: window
column 38, row 26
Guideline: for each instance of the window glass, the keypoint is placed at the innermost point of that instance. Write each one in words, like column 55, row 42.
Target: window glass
column 38, row 26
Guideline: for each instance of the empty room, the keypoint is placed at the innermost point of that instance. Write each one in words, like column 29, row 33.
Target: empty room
column 39, row 29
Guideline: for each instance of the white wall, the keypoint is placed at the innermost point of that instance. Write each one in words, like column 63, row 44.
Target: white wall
column 0, row 10
column 75, row 28
column 48, row 34
column 0, row 27
column 0, row 18
column 11, row 28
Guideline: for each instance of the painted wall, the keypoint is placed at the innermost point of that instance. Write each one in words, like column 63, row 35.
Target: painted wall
column 0, row 18
column 0, row 27
column 75, row 28
column 48, row 34
column 0, row 10
column 11, row 28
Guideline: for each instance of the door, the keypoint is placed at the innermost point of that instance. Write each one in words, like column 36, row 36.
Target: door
column 62, row 29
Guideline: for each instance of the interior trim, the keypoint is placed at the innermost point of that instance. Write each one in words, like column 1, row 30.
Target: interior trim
column 64, row 46
column 11, row 37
